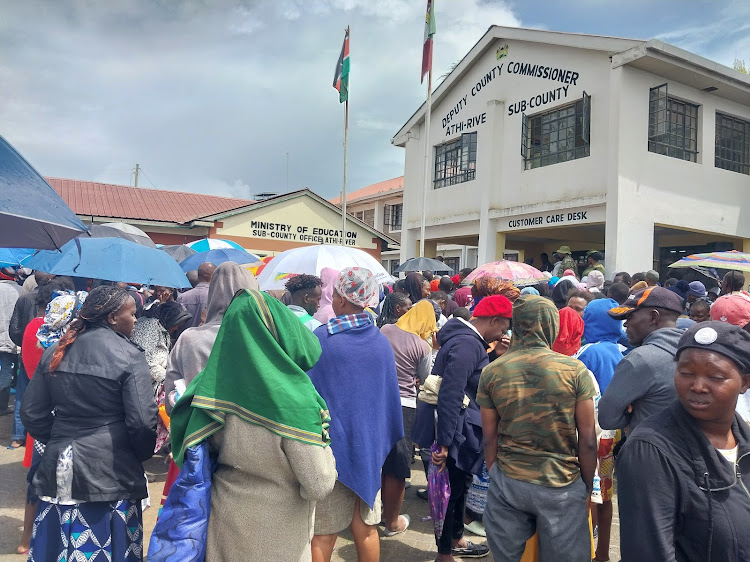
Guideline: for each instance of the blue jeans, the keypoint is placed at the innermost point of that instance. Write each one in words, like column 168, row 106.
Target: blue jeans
column 19, row 432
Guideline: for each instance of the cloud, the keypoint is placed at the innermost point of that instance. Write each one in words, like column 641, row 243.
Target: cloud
column 210, row 96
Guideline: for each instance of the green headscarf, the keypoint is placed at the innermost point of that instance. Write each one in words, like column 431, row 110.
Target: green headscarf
column 257, row 371
column 536, row 323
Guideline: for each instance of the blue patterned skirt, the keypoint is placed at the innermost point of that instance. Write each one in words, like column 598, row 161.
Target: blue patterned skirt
column 91, row 531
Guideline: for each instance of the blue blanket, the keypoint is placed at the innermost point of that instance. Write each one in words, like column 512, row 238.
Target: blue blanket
column 356, row 376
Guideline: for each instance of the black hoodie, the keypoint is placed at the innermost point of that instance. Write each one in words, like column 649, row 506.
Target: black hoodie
column 679, row 498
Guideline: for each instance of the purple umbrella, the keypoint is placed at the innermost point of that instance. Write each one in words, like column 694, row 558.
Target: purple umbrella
column 439, row 492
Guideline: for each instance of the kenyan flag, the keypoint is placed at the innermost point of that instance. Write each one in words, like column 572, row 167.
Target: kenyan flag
column 341, row 77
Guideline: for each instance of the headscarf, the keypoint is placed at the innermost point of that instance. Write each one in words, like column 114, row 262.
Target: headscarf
column 420, row 320
column 227, row 279
column 413, row 285
column 560, row 292
column 529, row 291
column 553, row 281
column 568, row 340
column 569, row 273
column 325, row 312
column 57, row 317
column 595, row 280
column 358, row 286
column 256, row 371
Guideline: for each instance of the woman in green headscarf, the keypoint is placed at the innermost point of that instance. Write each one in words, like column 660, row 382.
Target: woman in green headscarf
column 268, row 427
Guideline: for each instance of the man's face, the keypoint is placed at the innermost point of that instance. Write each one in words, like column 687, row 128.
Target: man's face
column 338, row 303
column 590, row 261
column 699, row 314
column 639, row 324
column 493, row 328
column 577, row 304
column 312, row 300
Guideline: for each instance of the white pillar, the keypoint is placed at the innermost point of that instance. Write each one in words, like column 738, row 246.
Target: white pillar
column 489, row 145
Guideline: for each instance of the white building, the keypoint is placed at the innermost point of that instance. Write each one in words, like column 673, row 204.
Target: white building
column 539, row 139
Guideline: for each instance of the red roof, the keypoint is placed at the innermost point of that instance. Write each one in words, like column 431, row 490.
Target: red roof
column 125, row 202
column 380, row 187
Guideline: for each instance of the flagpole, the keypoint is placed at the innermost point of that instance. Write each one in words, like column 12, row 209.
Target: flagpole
column 427, row 154
column 346, row 150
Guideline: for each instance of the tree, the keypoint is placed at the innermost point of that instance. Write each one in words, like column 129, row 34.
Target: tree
column 740, row 66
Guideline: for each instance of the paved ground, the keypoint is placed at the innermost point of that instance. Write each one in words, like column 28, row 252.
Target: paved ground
column 416, row 545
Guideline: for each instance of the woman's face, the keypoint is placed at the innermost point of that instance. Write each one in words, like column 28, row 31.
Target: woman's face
column 123, row 321
column 164, row 294
column 402, row 309
column 708, row 384
column 425, row 289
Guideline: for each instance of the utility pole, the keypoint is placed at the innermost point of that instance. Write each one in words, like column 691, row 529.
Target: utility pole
column 137, row 172
column 287, row 172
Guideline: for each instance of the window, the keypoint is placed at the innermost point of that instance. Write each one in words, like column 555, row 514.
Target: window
column 456, row 161
column 672, row 125
column 394, row 267
column 360, row 215
column 367, row 216
column 393, row 216
column 732, row 144
column 557, row 136
column 452, row 263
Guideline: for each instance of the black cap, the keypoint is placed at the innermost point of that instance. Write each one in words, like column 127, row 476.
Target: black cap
column 720, row 337
column 653, row 297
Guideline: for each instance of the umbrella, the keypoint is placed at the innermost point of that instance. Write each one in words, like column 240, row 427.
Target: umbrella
column 104, row 231
column 216, row 257
column 32, row 214
column 518, row 273
column 213, row 244
column 111, row 259
column 424, row 264
column 14, row 256
column 179, row 252
column 135, row 233
column 439, row 492
column 738, row 261
column 312, row 259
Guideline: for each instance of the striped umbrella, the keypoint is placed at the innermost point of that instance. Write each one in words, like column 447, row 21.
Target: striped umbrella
column 213, row 244
column 733, row 259
column 520, row 274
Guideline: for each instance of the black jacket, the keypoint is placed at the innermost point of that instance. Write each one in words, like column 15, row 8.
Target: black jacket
column 679, row 498
column 24, row 312
column 100, row 400
column 462, row 356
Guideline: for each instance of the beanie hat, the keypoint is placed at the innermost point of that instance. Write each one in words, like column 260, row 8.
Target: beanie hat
column 494, row 305
column 720, row 337
column 697, row 289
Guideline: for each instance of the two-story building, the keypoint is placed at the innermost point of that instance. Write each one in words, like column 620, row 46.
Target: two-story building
column 539, row 139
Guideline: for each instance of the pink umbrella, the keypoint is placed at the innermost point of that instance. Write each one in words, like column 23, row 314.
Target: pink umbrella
column 518, row 273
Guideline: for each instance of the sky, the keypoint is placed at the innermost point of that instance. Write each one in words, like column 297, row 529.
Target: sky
column 224, row 96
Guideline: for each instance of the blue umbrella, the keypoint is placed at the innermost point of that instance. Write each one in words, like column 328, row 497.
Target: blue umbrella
column 216, row 257
column 14, row 256
column 111, row 259
column 32, row 214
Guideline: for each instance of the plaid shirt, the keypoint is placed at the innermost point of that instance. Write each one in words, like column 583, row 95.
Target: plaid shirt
column 347, row 322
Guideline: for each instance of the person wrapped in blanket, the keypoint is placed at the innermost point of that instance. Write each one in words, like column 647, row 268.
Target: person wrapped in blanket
column 258, row 415
column 155, row 332
column 90, row 481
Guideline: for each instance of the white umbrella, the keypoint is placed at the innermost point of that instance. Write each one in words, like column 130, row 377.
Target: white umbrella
column 311, row 260
column 133, row 231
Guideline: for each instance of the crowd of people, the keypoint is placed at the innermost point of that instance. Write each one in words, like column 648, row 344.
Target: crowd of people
column 291, row 416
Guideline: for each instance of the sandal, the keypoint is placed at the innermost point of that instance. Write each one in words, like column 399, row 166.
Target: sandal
column 15, row 445
column 388, row 533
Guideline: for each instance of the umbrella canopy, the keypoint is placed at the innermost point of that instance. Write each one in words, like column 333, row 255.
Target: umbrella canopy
column 213, row 244
column 179, row 252
column 32, row 214
column 14, row 256
column 136, row 233
column 311, row 260
column 217, row 257
column 518, row 273
column 111, row 259
column 104, row 231
column 424, row 264
column 738, row 261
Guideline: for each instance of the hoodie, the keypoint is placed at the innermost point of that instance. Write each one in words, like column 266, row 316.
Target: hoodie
column 462, row 356
column 679, row 498
column 645, row 379
column 601, row 354
column 190, row 354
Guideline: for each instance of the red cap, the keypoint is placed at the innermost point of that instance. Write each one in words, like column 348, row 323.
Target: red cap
column 494, row 305
column 456, row 279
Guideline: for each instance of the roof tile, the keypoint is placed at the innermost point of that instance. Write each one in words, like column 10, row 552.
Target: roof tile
column 387, row 185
